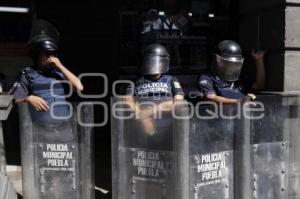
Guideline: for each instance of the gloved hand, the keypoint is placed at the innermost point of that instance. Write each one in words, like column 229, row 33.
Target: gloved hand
column 148, row 125
column 249, row 99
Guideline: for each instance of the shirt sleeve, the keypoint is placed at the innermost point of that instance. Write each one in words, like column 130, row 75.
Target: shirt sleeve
column 205, row 86
column 176, row 87
column 59, row 75
column 23, row 90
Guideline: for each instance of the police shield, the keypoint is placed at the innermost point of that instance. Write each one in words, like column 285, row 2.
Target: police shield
column 143, row 153
column 219, row 152
column 57, row 156
column 187, row 156
column 271, row 148
column 211, row 153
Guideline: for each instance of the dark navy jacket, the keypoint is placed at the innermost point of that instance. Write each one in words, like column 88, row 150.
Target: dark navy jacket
column 46, row 86
column 212, row 84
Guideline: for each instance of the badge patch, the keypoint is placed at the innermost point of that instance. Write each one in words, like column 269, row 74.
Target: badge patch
column 177, row 85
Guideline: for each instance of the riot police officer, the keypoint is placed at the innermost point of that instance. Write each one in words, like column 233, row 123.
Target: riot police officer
column 35, row 82
column 154, row 84
column 224, row 85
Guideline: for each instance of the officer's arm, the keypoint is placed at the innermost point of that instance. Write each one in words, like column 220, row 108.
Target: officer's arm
column 168, row 105
column 133, row 105
column 21, row 94
column 76, row 83
column 221, row 100
column 148, row 112
column 164, row 106
column 260, row 82
column 37, row 102
column 22, row 100
column 178, row 95
column 144, row 116
column 129, row 98
column 131, row 102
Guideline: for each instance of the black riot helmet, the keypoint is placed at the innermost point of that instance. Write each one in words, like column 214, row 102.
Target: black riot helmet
column 43, row 38
column 229, row 60
column 156, row 60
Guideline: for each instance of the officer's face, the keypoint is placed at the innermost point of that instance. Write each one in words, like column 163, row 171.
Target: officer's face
column 43, row 60
column 154, row 77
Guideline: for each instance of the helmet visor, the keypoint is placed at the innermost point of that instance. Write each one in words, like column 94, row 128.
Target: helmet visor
column 229, row 69
column 153, row 65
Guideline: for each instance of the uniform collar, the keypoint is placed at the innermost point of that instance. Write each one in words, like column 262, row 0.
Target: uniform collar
column 152, row 80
